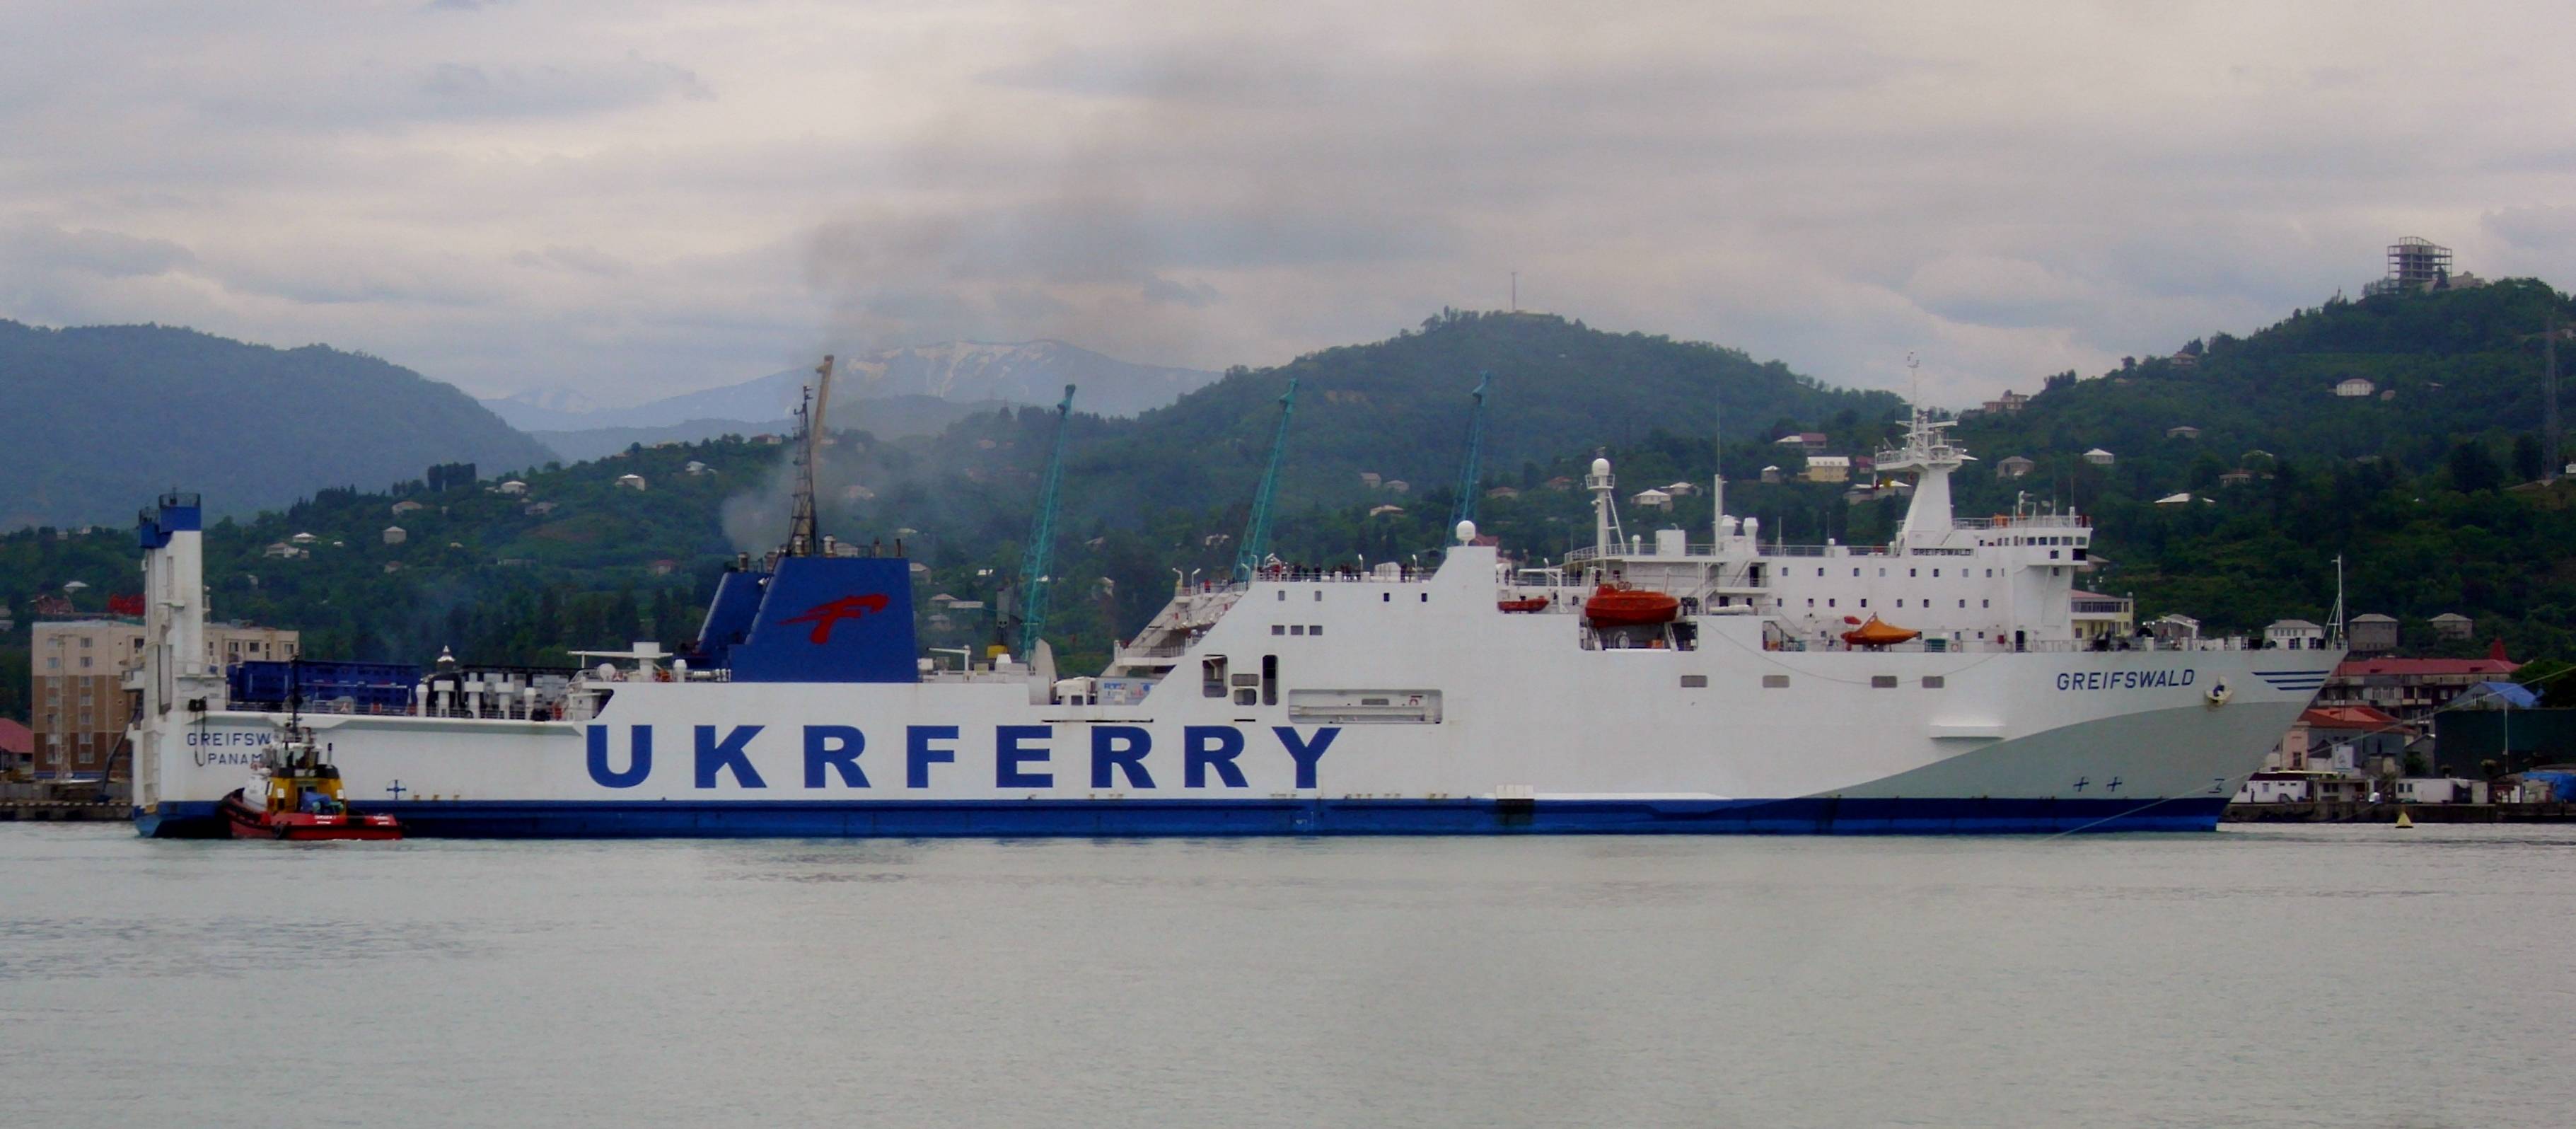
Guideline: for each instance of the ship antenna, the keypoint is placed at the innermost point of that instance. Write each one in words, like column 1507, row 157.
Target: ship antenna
column 2337, row 622
column 801, row 533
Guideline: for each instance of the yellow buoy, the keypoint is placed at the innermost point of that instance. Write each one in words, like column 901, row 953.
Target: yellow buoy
column 2404, row 822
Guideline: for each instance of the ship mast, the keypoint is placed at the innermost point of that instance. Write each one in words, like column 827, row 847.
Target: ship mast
column 1929, row 453
column 801, row 537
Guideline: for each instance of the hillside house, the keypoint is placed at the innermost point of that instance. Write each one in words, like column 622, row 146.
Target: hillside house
column 1370, row 479
column 1810, row 442
column 2235, row 478
column 2354, row 388
column 2099, row 457
column 2294, row 635
column 630, row 482
column 1382, row 511
column 1828, row 468
column 2186, row 431
column 513, row 488
column 1397, row 486
column 2372, row 634
column 1503, row 493
column 2014, row 466
column 1681, row 489
column 407, row 506
column 395, row 535
column 1771, row 474
column 2453, row 625
column 696, row 469
column 1652, row 499
column 1560, row 483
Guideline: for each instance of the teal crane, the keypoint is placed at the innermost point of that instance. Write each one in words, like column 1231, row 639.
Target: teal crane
column 1039, row 558
column 1464, row 509
column 1256, row 533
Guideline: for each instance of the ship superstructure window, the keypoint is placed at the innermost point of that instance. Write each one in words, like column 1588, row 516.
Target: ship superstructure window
column 1212, row 676
column 1882, row 682
column 1297, row 629
column 1279, row 629
column 1283, row 595
column 1934, row 681
column 1314, row 629
column 1694, row 681
column 1775, row 682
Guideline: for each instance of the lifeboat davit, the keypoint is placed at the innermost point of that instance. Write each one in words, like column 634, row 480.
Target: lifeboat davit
column 1617, row 605
column 1878, row 633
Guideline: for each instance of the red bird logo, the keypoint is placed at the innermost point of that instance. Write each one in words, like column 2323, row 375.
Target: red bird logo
column 824, row 615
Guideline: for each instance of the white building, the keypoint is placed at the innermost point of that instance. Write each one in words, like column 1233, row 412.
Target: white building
column 2354, row 388
column 2099, row 457
column 395, row 535
column 1652, row 500
column 630, row 482
column 2294, row 635
column 1828, row 468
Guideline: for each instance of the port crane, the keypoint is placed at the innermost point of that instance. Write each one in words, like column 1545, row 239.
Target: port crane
column 1039, row 558
column 1464, row 509
column 1255, row 550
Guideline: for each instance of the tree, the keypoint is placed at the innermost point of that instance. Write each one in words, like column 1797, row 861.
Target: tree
column 2530, row 463
column 2472, row 469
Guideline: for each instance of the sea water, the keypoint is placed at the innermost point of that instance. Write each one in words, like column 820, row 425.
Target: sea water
column 2327, row 976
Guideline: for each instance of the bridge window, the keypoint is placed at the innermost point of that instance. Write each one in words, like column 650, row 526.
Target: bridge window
column 1694, row 681
column 1934, row 682
column 1882, row 682
column 1775, row 682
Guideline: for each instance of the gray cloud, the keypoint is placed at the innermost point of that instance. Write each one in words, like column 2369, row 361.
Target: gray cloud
column 556, row 194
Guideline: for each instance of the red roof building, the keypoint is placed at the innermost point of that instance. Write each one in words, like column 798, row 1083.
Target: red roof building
column 17, row 744
column 2410, row 688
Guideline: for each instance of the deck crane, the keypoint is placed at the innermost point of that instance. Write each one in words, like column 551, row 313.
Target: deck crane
column 1464, row 509
column 1039, row 559
column 1255, row 550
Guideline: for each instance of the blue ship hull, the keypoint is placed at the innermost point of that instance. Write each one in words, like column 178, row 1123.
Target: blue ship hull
column 1138, row 818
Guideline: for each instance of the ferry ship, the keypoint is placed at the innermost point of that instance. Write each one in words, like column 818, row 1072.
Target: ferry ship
column 1648, row 684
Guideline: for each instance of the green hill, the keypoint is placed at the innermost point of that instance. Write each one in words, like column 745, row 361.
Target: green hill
column 101, row 418
column 2421, row 494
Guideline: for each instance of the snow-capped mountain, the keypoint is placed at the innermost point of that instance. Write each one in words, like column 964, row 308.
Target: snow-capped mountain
column 959, row 372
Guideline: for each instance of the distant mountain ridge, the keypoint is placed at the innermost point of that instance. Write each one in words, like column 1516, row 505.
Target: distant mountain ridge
column 101, row 418
column 959, row 372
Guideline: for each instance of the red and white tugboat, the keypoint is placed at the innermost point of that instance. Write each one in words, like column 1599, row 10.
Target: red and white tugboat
column 296, row 795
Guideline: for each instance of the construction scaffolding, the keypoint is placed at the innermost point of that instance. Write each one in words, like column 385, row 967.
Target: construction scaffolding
column 2414, row 263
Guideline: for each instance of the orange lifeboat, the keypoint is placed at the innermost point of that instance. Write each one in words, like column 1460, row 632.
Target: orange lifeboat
column 1617, row 605
column 1878, row 633
column 1524, row 604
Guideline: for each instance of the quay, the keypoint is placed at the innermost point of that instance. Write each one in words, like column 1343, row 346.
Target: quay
column 62, row 811
column 2331, row 811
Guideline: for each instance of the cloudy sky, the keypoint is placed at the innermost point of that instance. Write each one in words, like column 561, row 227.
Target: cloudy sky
column 632, row 198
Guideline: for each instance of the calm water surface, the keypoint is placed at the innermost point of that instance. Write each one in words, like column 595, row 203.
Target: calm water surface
column 2254, row 977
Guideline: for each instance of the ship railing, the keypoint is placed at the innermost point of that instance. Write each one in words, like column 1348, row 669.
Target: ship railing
column 2041, row 521
column 2028, row 646
column 1823, row 550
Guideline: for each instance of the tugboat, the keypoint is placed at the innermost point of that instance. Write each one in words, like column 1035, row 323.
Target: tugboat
column 296, row 796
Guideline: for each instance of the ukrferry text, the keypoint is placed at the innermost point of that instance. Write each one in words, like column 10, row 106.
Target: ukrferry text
column 1023, row 756
column 2123, row 679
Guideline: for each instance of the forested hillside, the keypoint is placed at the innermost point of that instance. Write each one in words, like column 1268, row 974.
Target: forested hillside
column 101, row 418
column 2425, row 494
